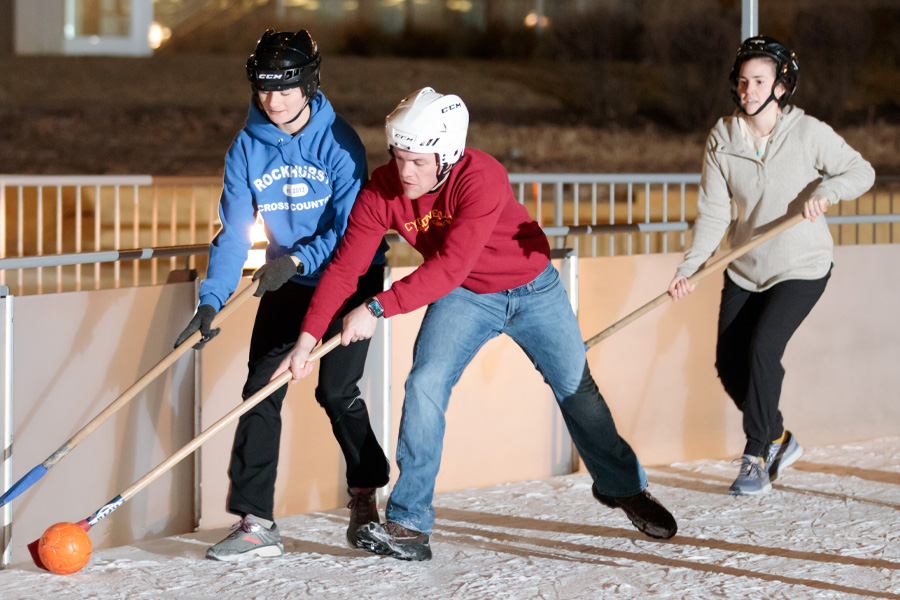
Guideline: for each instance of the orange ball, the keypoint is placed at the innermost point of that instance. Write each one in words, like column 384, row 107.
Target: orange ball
column 64, row 548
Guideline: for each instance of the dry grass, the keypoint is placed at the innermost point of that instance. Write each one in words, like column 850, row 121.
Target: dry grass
column 174, row 115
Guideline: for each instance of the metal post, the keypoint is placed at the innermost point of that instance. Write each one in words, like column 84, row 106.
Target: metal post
column 198, row 426
column 387, row 407
column 539, row 10
column 6, row 425
column 749, row 19
column 558, row 211
column 569, row 275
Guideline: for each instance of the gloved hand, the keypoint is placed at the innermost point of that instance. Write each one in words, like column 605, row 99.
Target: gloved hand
column 275, row 274
column 202, row 320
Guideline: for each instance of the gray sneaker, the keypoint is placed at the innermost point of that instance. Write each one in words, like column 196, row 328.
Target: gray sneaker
column 247, row 540
column 781, row 456
column 752, row 479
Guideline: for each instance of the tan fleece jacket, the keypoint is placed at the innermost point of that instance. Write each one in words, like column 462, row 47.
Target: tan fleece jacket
column 804, row 157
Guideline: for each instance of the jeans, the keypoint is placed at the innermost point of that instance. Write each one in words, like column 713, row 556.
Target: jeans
column 540, row 319
column 754, row 329
column 254, row 455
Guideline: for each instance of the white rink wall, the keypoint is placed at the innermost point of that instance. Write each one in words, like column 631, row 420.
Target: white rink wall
column 656, row 374
column 73, row 355
column 841, row 378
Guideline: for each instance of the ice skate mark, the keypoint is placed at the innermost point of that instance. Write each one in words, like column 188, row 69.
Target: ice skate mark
column 338, row 549
column 501, row 542
column 521, row 547
column 692, row 482
column 490, row 523
column 847, row 471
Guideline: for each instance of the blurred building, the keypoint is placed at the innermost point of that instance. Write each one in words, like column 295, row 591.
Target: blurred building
column 77, row 27
column 137, row 27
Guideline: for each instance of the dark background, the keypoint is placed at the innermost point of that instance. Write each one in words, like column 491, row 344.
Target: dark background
column 606, row 89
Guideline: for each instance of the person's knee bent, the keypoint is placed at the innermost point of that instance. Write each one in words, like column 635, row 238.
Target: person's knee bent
column 338, row 406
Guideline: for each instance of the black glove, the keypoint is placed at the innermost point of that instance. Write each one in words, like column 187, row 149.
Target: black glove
column 275, row 274
column 202, row 319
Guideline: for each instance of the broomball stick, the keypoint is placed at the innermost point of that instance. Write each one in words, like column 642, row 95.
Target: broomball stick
column 664, row 297
column 35, row 474
column 187, row 449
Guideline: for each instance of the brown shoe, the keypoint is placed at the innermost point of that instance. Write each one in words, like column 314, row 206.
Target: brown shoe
column 363, row 507
column 395, row 540
column 645, row 512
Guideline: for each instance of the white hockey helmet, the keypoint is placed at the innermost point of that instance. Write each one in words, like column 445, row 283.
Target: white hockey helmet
column 426, row 122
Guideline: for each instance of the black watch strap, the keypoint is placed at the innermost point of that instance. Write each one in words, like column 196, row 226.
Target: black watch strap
column 374, row 307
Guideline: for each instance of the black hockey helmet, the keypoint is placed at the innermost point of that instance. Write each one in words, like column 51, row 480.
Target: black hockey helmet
column 284, row 60
column 786, row 67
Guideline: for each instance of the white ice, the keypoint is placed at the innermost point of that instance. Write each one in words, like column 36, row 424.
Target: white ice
column 829, row 529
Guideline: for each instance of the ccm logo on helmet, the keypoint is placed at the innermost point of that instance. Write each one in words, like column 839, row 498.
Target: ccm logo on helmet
column 270, row 75
column 451, row 107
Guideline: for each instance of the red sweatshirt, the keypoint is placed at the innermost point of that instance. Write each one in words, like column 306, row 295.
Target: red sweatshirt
column 471, row 232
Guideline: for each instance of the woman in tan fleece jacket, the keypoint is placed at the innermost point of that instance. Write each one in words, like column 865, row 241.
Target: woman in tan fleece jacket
column 770, row 161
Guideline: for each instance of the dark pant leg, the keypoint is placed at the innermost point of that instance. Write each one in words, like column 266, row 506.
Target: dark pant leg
column 767, row 321
column 254, row 458
column 738, row 311
column 338, row 393
column 608, row 457
column 254, row 454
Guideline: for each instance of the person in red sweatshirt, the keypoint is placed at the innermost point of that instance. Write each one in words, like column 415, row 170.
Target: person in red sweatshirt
column 487, row 271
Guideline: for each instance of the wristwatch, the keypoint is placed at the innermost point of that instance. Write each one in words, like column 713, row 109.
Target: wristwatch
column 375, row 307
column 300, row 268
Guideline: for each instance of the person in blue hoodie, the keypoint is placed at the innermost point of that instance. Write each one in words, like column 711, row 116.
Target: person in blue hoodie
column 300, row 166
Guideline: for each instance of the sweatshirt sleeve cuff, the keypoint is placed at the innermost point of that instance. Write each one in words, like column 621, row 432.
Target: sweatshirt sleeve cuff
column 829, row 193
column 314, row 329
column 211, row 300
column 389, row 303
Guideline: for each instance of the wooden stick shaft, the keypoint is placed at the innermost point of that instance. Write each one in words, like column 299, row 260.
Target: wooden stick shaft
column 228, row 418
column 717, row 264
column 151, row 375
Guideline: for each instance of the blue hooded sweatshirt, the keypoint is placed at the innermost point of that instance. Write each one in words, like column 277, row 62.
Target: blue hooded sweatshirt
column 303, row 185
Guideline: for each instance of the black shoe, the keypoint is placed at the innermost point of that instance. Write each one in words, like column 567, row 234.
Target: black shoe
column 645, row 512
column 363, row 510
column 395, row 540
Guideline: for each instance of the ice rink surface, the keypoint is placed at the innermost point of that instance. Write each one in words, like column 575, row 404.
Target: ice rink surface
column 830, row 528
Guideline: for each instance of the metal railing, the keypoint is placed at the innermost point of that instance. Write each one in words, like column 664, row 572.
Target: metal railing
column 654, row 205
column 593, row 214
column 53, row 215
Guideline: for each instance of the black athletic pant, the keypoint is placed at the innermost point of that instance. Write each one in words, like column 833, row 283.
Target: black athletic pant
column 254, row 456
column 754, row 329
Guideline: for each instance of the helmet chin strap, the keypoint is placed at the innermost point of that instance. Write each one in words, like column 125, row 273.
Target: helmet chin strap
column 761, row 108
column 442, row 176
column 263, row 111
column 440, row 181
column 764, row 105
column 299, row 113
